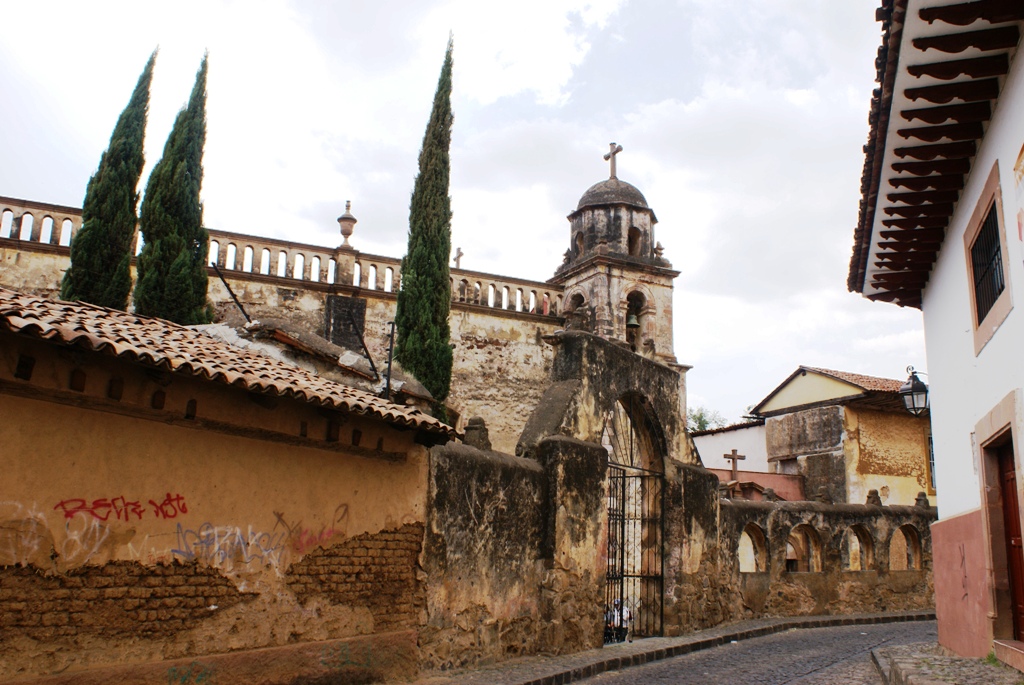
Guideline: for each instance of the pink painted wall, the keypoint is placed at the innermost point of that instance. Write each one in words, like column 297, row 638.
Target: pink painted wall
column 961, row 584
column 789, row 488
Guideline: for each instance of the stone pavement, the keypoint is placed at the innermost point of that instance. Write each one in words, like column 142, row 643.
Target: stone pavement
column 919, row 664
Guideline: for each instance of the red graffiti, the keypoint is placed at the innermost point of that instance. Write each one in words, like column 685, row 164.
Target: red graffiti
column 170, row 507
column 102, row 509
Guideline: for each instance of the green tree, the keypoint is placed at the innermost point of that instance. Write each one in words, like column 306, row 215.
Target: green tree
column 423, row 345
column 172, row 265
column 101, row 252
column 702, row 419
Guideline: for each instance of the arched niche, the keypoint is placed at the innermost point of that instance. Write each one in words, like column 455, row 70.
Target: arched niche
column 803, row 550
column 905, row 549
column 857, row 549
column 752, row 550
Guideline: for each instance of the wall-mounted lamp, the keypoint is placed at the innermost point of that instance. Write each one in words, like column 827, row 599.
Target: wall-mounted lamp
column 914, row 394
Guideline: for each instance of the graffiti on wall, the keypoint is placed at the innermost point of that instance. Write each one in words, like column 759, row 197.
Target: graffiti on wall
column 226, row 547
column 302, row 539
column 122, row 508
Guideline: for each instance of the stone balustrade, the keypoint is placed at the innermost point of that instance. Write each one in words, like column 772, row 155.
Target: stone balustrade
column 38, row 222
column 53, row 226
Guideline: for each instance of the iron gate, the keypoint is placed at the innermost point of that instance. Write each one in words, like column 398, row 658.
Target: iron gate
column 634, row 578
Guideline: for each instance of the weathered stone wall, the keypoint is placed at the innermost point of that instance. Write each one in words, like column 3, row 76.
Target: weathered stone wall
column 835, row 589
column 813, row 439
column 482, row 556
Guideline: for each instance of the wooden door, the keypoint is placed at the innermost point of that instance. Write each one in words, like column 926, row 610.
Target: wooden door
column 1014, row 549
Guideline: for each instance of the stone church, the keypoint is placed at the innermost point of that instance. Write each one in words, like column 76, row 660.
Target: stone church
column 360, row 538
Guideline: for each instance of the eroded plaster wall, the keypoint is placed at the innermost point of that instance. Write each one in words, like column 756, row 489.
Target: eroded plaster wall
column 887, row 452
column 127, row 535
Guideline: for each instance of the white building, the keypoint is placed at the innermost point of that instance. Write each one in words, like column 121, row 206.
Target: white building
column 942, row 229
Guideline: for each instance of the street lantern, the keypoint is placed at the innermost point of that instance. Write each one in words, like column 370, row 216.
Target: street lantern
column 914, row 394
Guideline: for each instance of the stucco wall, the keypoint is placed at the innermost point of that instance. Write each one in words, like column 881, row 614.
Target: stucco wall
column 750, row 442
column 887, row 452
column 148, row 539
column 965, row 386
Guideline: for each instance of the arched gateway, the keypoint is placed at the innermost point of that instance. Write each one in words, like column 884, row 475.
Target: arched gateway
column 634, row 569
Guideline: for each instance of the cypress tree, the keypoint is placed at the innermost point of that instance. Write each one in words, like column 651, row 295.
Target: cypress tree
column 423, row 345
column 101, row 252
column 172, row 265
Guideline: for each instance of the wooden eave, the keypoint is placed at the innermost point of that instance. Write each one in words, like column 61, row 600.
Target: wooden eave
column 940, row 70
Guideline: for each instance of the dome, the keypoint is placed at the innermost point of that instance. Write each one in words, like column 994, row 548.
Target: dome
column 612, row 191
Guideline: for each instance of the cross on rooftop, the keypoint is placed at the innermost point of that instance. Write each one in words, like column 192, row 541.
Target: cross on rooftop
column 734, row 457
column 458, row 257
column 613, row 150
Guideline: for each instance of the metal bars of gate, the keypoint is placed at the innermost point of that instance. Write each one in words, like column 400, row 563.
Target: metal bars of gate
column 634, row 573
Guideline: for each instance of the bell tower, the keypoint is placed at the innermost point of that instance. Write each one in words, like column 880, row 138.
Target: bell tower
column 617, row 283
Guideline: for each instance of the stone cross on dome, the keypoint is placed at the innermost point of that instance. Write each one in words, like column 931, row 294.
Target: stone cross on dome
column 613, row 150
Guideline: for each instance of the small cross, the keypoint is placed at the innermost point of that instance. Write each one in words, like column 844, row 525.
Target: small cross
column 458, row 257
column 613, row 150
column 734, row 458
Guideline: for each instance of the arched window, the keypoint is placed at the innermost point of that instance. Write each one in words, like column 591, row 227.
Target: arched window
column 299, row 267
column 314, row 269
column 505, row 304
column 357, row 274
column 67, row 228
column 332, row 271
column 519, row 299
column 577, row 245
column 247, row 259
column 26, row 226
column 905, row 549
column 533, row 302
column 803, row 550
column 46, row 231
column 6, row 220
column 857, row 549
column 490, row 295
column 265, row 262
column 634, row 241
column 389, row 279
column 229, row 258
column 282, row 263
column 214, row 252
column 371, row 277
column 752, row 551
column 634, row 323
column 476, row 292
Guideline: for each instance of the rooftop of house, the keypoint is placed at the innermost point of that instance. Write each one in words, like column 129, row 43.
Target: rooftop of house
column 921, row 148
column 811, row 386
column 186, row 350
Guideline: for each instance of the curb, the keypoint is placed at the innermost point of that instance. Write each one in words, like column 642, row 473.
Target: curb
column 690, row 645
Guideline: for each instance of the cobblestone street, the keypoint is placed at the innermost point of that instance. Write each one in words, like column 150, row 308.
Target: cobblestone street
column 799, row 657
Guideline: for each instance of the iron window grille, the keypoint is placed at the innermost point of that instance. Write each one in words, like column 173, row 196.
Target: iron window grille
column 987, row 265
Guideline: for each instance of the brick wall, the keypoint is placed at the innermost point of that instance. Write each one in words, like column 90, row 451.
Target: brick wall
column 376, row 571
column 119, row 599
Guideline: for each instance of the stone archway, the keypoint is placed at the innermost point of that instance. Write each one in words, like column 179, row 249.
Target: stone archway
column 634, row 580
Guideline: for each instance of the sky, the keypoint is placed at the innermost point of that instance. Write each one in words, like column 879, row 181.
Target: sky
column 742, row 122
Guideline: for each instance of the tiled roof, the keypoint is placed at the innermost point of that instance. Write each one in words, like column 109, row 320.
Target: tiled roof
column 166, row 345
column 866, row 383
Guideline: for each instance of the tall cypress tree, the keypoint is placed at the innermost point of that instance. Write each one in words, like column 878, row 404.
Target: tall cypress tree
column 423, row 345
column 172, row 265
column 101, row 252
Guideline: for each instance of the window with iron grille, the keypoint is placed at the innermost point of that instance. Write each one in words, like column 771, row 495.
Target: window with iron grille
column 987, row 265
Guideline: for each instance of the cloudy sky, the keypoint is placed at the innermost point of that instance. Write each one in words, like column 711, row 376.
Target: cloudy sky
column 742, row 123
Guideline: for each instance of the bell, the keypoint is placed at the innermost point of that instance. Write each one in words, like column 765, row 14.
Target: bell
column 632, row 321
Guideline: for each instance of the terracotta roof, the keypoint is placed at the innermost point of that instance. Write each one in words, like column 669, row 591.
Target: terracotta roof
column 920, row 147
column 166, row 345
column 866, row 383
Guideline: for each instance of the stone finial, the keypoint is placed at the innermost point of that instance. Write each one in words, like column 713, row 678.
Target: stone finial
column 823, row 495
column 873, row 498
column 769, row 495
column 347, row 223
column 922, row 501
column 477, row 435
